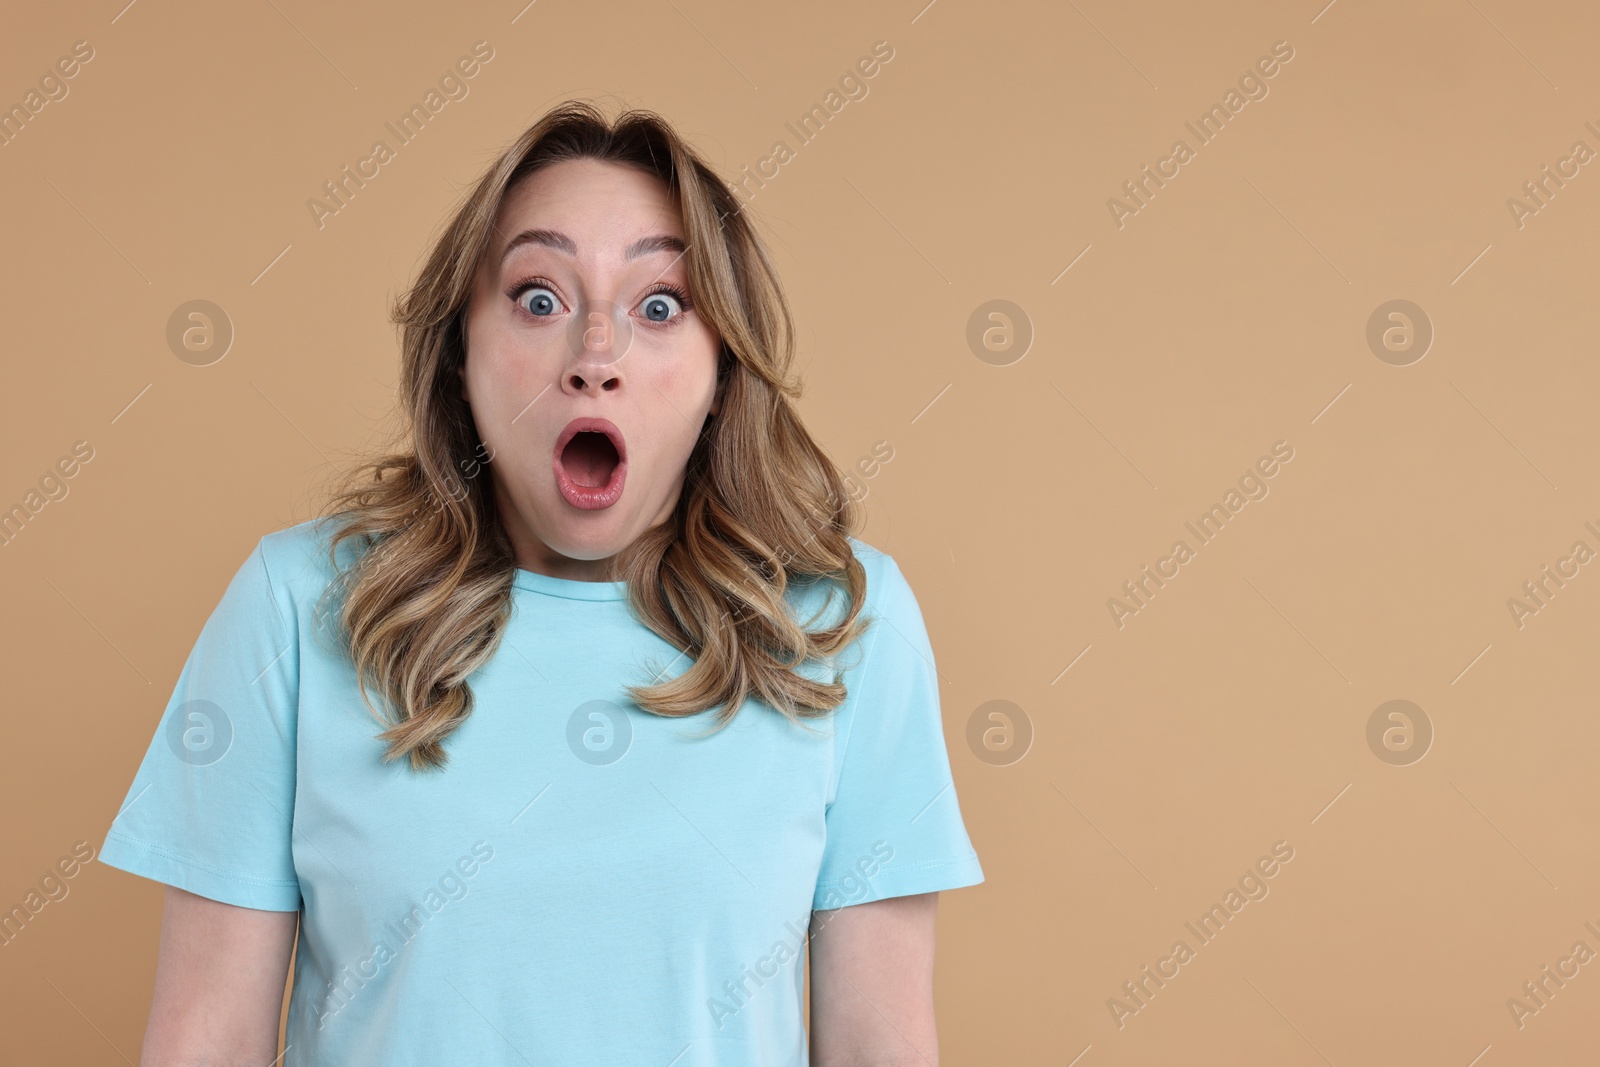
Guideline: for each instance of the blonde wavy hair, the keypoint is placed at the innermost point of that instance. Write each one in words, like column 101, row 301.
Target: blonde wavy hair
column 428, row 598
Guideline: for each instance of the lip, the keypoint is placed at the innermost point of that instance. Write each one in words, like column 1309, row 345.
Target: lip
column 584, row 497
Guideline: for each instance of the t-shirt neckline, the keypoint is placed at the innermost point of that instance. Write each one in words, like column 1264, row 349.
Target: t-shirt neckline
column 568, row 588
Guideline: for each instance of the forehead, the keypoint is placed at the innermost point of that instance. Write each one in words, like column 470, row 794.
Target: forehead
column 601, row 206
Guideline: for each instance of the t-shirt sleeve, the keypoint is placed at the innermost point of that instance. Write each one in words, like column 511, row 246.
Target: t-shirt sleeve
column 894, row 827
column 211, row 808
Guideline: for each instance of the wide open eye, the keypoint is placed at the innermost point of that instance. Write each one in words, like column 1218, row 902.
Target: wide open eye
column 538, row 301
column 662, row 306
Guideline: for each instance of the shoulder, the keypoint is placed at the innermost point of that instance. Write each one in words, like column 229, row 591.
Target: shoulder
column 889, row 606
column 888, row 591
column 823, row 603
column 297, row 561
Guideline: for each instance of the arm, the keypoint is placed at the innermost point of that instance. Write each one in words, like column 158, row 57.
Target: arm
column 872, row 984
column 219, row 983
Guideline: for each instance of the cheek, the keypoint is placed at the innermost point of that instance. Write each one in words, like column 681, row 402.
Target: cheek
column 498, row 369
column 690, row 375
column 680, row 391
column 485, row 375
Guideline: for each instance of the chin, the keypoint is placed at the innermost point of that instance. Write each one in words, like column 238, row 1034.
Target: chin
column 588, row 534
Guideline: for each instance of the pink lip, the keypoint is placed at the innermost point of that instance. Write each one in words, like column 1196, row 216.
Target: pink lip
column 585, row 497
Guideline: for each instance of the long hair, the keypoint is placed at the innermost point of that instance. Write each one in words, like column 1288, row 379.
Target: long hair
column 427, row 600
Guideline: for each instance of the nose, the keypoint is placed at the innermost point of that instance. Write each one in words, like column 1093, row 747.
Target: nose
column 592, row 380
column 597, row 350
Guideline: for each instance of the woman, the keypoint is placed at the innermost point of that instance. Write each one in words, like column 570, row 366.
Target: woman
column 649, row 717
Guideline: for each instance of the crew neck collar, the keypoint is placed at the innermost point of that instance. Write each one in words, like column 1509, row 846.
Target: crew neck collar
column 568, row 588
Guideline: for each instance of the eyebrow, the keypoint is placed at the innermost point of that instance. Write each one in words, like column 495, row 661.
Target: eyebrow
column 644, row 246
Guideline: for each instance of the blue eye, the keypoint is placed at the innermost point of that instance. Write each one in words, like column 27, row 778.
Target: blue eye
column 662, row 306
column 539, row 301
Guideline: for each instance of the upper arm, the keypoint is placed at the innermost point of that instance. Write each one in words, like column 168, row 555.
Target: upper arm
column 211, row 809
column 211, row 814
column 219, row 982
column 894, row 838
column 893, row 824
column 872, row 984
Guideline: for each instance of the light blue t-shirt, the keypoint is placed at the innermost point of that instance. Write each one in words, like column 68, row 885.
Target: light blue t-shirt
column 585, row 882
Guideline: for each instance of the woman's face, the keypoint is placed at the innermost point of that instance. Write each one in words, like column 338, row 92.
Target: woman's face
column 574, row 328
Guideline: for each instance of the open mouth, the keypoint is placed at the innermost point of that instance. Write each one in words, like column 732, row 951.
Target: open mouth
column 590, row 463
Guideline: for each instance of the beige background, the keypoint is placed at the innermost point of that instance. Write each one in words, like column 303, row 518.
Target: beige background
column 1227, row 314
